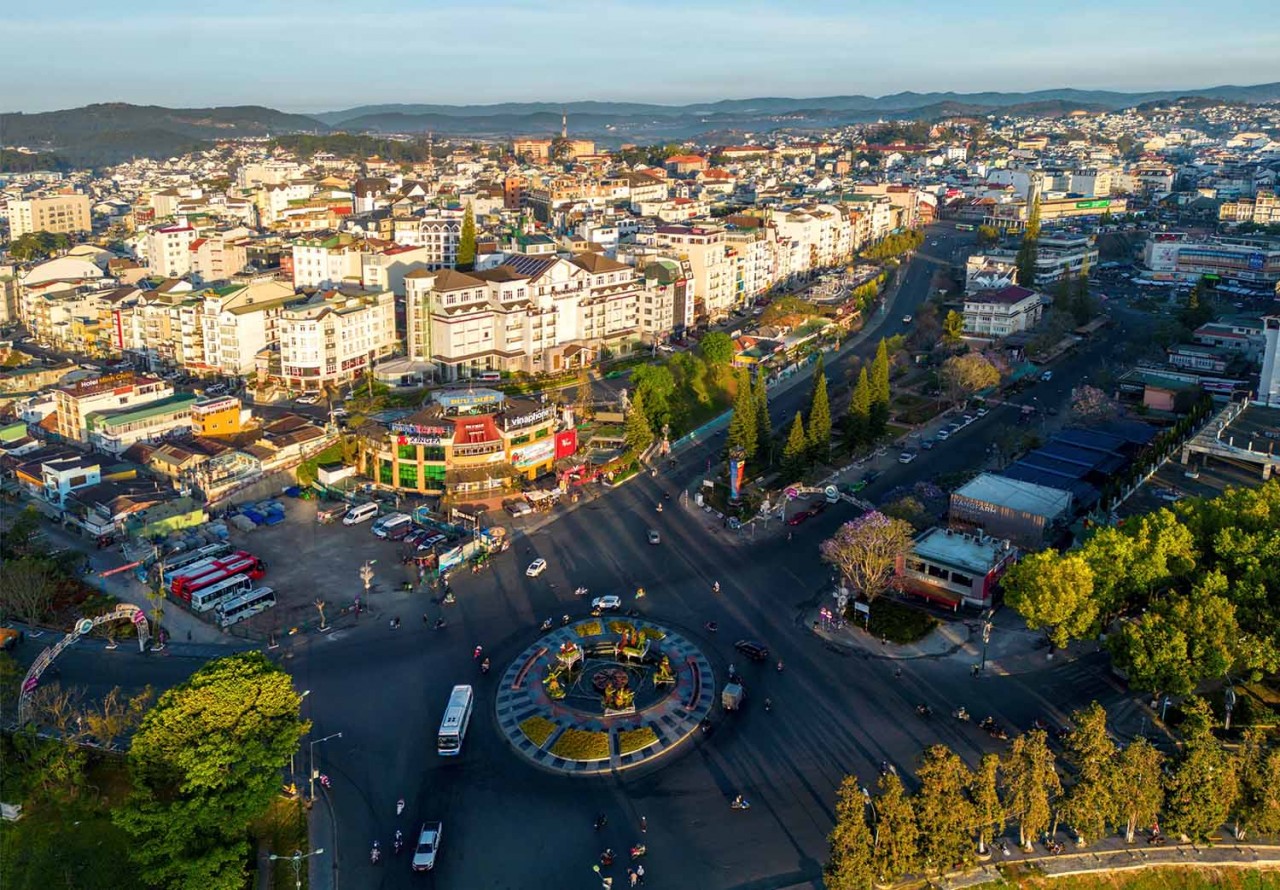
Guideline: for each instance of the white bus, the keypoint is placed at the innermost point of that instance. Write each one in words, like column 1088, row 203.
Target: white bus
column 245, row 605
column 206, row 598
column 453, row 728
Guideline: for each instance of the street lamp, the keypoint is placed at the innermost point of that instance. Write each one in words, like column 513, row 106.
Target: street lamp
column 296, row 860
column 986, row 638
column 311, row 761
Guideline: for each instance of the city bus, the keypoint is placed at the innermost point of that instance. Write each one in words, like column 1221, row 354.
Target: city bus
column 245, row 605
column 453, row 728
column 964, row 227
column 205, row 599
column 185, row 563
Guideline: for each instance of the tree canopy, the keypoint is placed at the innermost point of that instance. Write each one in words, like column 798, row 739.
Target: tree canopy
column 717, row 348
column 866, row 551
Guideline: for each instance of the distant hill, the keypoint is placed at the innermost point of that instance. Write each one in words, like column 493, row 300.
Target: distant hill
column 109, row 133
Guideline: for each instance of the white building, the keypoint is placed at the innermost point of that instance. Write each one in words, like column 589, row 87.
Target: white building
column 999, row 313
column 714, row 274
column 238, row 322
column 334, row 336
column 1269, row 381
column 168, row 249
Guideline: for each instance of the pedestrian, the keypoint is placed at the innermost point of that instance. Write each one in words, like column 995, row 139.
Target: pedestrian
column 644, row 825
column 640, row 873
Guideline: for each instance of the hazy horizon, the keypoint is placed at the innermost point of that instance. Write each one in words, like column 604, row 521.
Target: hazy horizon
column 672, row 53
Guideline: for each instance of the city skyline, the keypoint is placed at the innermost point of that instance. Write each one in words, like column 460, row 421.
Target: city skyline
column 264, row 54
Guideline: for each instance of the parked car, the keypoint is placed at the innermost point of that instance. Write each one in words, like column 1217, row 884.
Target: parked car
column 610, row 603
column 424, row 854
column 536, row 568
column 309, row 398
column 754, row 650
column 982, row 412
column 799, row 518
column 928, row 444
column 944, row 435
column 906, row 457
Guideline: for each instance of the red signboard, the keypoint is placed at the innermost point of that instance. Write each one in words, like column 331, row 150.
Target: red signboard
column 566, row 443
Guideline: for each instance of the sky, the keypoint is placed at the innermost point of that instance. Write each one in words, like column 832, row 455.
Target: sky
column 324, row 55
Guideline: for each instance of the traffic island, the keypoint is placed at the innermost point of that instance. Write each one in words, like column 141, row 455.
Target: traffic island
column 601, row 695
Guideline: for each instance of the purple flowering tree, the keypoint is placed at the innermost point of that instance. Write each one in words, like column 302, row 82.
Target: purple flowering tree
column 866, row 551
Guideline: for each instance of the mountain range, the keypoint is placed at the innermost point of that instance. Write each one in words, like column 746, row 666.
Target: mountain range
column 112, row 132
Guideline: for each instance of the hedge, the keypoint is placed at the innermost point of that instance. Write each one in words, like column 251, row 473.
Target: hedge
column 635, row 739
column 578, row 744
column 537, row 730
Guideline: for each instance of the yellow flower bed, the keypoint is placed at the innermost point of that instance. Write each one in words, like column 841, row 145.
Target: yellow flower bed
column 579, row 744
column 651, row 633
column 636, row 739
column 537, row 730
column 590, row 629
column 620, row 627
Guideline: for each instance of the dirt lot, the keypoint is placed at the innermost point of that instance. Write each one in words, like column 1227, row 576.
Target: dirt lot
column 307, row 561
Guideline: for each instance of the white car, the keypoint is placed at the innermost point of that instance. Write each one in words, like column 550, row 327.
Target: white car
column 944, row 435
column 608, row 603
column 307, row 399
column 906, row 457
column 906, row 319
column 424, row 854
column 654, row 537
column 536, row 568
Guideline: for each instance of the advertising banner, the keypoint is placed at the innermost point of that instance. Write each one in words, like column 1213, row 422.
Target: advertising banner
column 566, row 443
column 737, row 469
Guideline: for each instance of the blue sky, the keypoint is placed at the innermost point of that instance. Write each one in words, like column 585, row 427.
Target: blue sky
column 321, row 55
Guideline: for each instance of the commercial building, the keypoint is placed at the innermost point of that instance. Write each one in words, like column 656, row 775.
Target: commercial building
column 65, row 214
column 1175, row 256
column 1269, row 381
column 218, row 416
column 100, row 396
column 332, row 337
column 1013, row 217
column 999, row 313
column 1262, row 210
column 1021, row 512
column 168, row 249
column 115, row 431
column 955, row 569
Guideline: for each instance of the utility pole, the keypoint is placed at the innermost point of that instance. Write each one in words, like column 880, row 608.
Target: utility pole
column 296, row 861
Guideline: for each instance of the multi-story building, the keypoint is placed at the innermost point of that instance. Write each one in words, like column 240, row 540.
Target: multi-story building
column 327, row 261
column 65, row 213
column 168, row 249
column 1263, row 210
column 1013, row 216
column 162, row 326
column 216, row 256
column 438, row 235
column 238, row 321
column 714, row 274
column 666, row 304
column 101, row 396
column 999, row 313
column 116, row 431
column 1230, row 259
column 217, row 416
column 334, row 336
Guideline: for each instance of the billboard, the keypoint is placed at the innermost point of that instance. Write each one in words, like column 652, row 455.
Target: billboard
column 538, row 452
column 737, row 469
column 566, row 443
column 1094, row 204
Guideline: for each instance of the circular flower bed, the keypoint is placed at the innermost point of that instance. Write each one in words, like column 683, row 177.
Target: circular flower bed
column 579, row 744
column 537, row 730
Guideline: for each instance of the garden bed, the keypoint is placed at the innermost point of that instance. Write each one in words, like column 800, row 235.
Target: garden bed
column 591, row 628
column 899, row 623
column 636, row 739
column 646, row 633
column 579, row 744
column 537, row 730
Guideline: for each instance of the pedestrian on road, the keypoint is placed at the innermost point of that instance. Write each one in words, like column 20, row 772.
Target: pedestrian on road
column 476, row 654
column 640, row 873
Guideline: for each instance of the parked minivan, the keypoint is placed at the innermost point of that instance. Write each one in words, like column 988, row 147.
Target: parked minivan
column 362, row 513
column 395, row 526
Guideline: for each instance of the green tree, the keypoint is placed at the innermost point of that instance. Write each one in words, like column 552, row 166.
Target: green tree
column 819, row 415
column 1258, row 806
column 1091, row 801
column 657, row 385
column 952, row 328
column 987, row 236
column 866, row 551
column 897, row 831
column 945, row 813
column 1030, row 784
column 850, row 866
column 880, row 393
column 988, row 809
column 742, row 424
column 858, row 421
column 28, row 587
column 1200, row 790
column 1055, row 592
column 795, row 452
column 205, row 764
column 467, row 241
column 1140, row 794
column 717, row 348
column 637, row 431
column 764, row 423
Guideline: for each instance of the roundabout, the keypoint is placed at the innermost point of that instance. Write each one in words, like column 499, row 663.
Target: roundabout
column 600, row 695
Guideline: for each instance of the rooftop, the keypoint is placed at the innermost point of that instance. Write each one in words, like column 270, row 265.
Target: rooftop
column 977, row 554
column 1026, row 497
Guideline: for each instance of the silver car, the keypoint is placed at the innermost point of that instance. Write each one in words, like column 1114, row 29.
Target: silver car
column 424, row 854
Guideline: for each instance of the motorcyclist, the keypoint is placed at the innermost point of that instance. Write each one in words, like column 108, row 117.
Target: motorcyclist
column 399, row 841
column 375, row 854
column 484, row 666
column 659, row 506
column 715, row 588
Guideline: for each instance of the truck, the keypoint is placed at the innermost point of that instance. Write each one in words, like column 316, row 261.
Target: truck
column 215, row 571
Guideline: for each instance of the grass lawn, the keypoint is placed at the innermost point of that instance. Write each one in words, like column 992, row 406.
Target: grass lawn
column 1161, row 879
column 899, row 623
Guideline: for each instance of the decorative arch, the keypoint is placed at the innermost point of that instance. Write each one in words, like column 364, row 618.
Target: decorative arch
column 123, row 612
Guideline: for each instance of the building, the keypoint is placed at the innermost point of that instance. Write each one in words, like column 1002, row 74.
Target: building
column 1013, row 216
column 168, row 249
column 66, row 213
column 1262, row 210
column 114, row 431
column 100, row 396
column 714, row 273
column 1021, row 512
column 237, row 322
column 999, row 313
column 683, row 165
column 1235, row 334
column 954, row 568
column 333, row 337
column 1241, row 260
column 1269, row 381
column 54, row 478
column 218, row 416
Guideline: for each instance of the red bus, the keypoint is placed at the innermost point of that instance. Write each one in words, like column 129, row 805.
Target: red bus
column 217, row 570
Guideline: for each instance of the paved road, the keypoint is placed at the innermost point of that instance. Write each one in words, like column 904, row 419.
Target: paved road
column 508, row 825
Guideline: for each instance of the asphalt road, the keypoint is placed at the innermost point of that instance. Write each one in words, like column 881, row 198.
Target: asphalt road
column 509, row 825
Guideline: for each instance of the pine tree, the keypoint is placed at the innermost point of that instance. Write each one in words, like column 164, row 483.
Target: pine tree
column 819, row 415
column 764, row 425
column 850, row 866
column 636, row 432
column 858, row 420
column 467, row 241
column 880, row 390
column 742, row 425
column 795, row 452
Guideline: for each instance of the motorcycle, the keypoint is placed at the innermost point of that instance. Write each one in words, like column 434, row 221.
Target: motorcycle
column 740, row 803
column 601, row 821
column 375, row 854
column 711, row 626
column 638, row 850
column 399, row 806
column 768, row 705
column 581, row 591
column 924, row 710
column 440, row 623
column 659, row 506
column 993, row 729
column 564, row 620
column 398, row 844
column 546, row 625
column 961, row 714
column 484, row 666
column 606, row 858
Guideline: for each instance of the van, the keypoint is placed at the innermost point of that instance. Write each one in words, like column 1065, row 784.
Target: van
column 489, row 376
column 362, row 513
column 387, row 526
